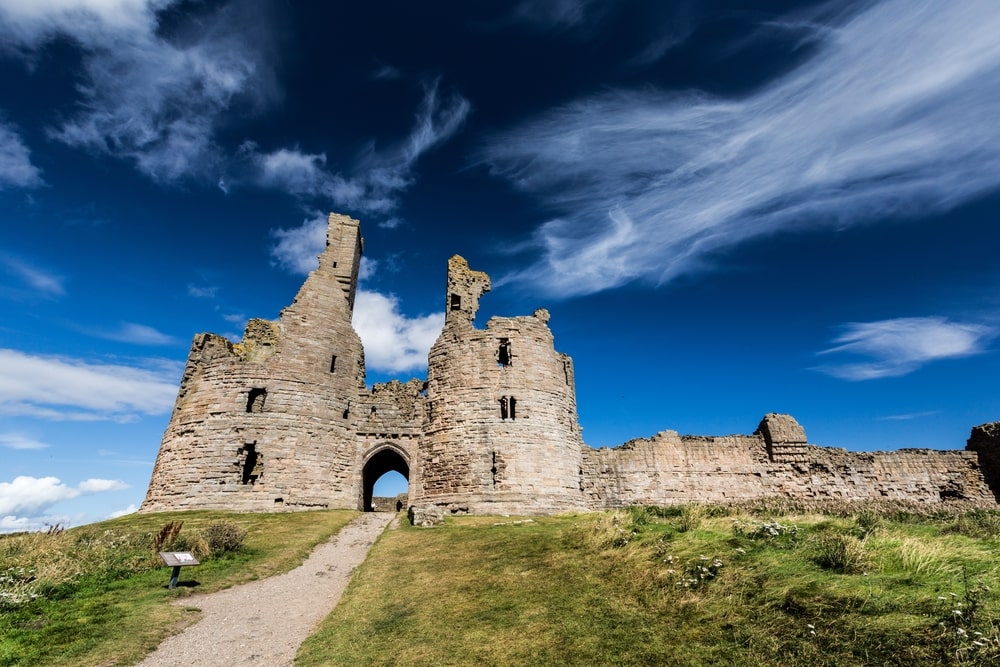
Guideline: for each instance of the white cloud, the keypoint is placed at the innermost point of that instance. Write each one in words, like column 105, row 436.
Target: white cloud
column 378, row 178
column 202, row 291
column 16, row 169
column 297, row 249
column 60, row 388
column 900, row 346
column 909, row 416
column 131, row 509
column 32, row 23
column 145, row 98
column 25, row 500
column 101, row 485
column 20, row 441
column 39, row 281
column 137, row 334
column 393, row 342
column 33, row 495
column 894, row 114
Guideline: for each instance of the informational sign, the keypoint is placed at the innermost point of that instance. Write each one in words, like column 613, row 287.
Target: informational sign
column 178, row 558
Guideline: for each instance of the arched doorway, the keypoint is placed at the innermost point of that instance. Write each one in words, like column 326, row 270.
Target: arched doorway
column 384, row 458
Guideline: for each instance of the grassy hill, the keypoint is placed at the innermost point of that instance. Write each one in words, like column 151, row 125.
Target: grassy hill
column 779, row 584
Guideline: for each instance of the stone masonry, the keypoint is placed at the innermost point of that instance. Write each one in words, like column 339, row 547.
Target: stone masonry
column 283, row 420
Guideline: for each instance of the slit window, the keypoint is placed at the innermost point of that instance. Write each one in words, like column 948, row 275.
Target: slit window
column 253, row 464
column 333, row 363
column 456, row 302
column 508, row 407
column 255, row 399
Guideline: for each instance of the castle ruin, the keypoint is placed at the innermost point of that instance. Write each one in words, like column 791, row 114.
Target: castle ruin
column 284, row 420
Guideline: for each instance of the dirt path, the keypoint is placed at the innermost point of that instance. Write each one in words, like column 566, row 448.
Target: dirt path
column 265, row 622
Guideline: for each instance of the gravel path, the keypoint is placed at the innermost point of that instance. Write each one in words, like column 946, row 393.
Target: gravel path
column 265, row 622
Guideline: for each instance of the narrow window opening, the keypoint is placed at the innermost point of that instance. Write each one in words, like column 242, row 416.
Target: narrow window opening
column 513, row 408
column 278, row 501
column 255, row 399
column 333, row 363
column 503, row 352
column 504, row 408
column 347, row 410
column 494, row 469
column 253, row 464
column 456, row 302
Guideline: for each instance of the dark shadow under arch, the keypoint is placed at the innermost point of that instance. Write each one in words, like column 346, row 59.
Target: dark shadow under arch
column 383, row 460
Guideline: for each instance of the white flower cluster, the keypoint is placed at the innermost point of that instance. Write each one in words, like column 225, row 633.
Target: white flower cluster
column 16, row 587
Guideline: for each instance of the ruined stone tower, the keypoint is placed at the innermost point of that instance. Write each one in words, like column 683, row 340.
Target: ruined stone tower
column 283, row 420
column 269, row 422
column 502, row 429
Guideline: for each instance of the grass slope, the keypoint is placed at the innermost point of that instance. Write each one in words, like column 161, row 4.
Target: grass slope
column 96, row 595
column 679, row 586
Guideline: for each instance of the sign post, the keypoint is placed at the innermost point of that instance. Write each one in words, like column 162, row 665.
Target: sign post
column 177, row 560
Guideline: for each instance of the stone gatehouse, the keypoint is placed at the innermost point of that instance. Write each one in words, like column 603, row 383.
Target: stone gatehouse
column 284, row 420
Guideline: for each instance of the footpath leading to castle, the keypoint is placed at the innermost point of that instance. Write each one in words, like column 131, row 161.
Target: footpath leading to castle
column 265, row 622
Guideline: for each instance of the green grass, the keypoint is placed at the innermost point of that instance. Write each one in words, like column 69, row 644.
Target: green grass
column 677, row 586
column 101, row 589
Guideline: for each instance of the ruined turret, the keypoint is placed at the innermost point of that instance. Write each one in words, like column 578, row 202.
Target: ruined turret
column 502, row 434
column 266, row 423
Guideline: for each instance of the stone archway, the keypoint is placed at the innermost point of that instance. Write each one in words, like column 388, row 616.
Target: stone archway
column 382, row 459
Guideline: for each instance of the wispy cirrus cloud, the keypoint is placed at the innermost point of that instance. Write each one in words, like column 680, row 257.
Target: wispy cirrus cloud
column 34, row 279
column 20, row 441
column 378, row 177
column 16, row 169
column 147, row 98
column 893, row 114
column 900, row 346
column 136, row 334
column 61, row 388
column 557, row 14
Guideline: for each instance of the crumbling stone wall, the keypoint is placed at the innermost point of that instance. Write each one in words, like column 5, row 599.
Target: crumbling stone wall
column 283, row 420
column 775, row 461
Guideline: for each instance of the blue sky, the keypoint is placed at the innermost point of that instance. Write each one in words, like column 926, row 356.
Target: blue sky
column 729, row 208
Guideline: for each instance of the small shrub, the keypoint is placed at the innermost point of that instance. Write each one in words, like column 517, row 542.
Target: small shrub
column 868, row 522
column 691, row 517
column 977, row 523
column 613, row 529
column 224, row 537
column 841, row 553
column 195, row 544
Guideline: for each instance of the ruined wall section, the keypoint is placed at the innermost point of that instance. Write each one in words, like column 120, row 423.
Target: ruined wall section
column 266, row 423
column 775, row 461
column 669, row 469
column 502, row 434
